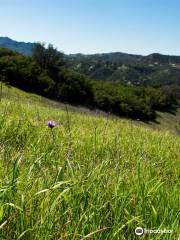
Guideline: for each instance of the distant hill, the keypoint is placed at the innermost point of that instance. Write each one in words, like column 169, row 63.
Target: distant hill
column 154, row 69
column 115, row 57
column 21, row 47
column 125, row 58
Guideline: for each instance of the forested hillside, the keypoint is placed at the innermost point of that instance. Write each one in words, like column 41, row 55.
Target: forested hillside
column 154, row 69
column 46, row 73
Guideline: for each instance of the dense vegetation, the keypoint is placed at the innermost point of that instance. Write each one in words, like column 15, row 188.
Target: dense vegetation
column 45, row 73
column 88, row 178
column 133, row 102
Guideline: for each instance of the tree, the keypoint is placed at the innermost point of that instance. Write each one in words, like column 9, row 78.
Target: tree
column 39, row 54
column 48, row 58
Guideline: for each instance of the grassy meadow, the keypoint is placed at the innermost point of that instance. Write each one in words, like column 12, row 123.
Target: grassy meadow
column 90, row 177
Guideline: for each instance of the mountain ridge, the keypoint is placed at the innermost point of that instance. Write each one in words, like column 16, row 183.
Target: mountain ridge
column 4, row 41
column 21, row 47
column 153, row 69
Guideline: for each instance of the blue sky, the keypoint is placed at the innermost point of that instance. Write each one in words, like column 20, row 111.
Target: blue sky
column 95, row 26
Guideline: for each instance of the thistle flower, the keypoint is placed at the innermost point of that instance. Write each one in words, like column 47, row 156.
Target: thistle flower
column 51, row 124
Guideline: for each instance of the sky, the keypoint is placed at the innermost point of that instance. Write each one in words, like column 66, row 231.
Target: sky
column 95, row 26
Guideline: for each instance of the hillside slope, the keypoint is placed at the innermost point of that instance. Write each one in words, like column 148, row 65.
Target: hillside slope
column 21, row 47
column 166, row 121
column 89, row 176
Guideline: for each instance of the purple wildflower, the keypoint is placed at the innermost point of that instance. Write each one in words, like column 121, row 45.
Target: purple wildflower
column 51, row 124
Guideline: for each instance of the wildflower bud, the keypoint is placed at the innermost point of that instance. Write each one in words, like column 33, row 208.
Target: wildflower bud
column 51, row 124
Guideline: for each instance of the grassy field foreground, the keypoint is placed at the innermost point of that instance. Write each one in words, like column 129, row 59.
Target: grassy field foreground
column 89, row 178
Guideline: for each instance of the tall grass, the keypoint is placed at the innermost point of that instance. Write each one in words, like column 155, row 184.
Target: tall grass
column 94, row 178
